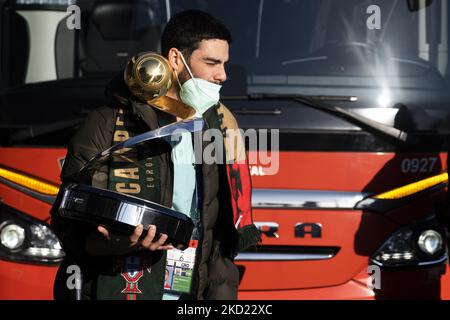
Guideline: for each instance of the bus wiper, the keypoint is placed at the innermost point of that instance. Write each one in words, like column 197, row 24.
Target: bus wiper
column 24, row 132
column 352, row 117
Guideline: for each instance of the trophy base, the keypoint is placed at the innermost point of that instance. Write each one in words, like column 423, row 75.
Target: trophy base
column 122, row 213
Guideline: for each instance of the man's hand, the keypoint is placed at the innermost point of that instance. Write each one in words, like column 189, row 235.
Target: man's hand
column 104, row 242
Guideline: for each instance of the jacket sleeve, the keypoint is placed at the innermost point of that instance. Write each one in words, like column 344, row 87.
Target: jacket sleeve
column 94, row 136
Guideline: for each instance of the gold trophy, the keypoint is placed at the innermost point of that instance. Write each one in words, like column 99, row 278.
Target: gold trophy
column 149, row 76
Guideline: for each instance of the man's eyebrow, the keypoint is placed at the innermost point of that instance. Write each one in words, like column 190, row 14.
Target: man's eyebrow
column 214, row 60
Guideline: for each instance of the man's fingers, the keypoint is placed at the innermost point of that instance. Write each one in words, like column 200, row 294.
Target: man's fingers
column 103, row 231
column 168, row 247
column 147, row 241
column 137, row 233
column 162, row 239
column 159, row 243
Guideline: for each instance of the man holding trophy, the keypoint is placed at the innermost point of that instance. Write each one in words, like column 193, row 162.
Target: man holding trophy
column 193, row 216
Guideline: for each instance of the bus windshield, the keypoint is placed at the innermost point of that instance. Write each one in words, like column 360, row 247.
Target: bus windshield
column 385, row 53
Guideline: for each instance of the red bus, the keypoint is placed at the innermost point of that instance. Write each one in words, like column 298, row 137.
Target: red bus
column 352, row 202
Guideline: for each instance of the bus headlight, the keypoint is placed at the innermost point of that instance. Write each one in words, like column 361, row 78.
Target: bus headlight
column 430, row 241
column 12, row 235
column 421, row 244
column 26, row 239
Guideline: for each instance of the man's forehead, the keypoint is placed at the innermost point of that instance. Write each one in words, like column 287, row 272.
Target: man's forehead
column 213, row 49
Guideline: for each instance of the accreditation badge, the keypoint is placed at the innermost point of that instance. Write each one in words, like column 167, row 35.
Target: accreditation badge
column 179, row 269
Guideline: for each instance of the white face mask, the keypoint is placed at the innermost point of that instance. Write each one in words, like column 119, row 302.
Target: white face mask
column 198, row 93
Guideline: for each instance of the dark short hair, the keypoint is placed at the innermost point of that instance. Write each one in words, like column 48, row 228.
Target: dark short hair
column 186, row 29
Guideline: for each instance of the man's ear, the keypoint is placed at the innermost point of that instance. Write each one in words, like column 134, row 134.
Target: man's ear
column 175, row 61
